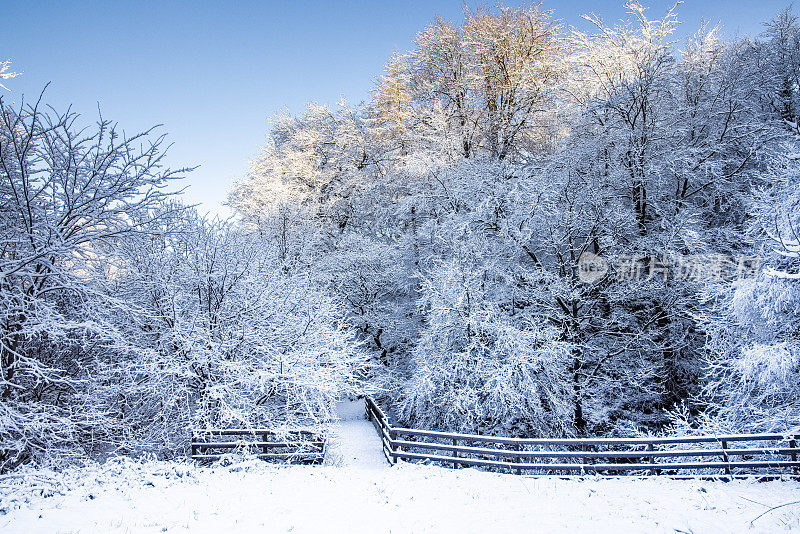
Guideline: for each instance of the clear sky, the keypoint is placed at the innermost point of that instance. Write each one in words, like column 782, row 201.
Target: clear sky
column 215, row 72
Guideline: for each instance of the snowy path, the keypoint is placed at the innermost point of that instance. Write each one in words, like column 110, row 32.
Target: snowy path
column 354, row 442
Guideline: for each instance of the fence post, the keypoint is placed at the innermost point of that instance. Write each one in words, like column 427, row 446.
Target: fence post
column 392, row 450
column 192, row 444
column 518, row 459
column 653, row 470
column 455, row 453
column 793, row 445
column 265, row 438
column 725, row 457
column 586, row 461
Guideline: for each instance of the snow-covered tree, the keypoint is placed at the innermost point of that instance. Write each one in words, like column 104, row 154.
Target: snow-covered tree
column 6, row 73
column 220, row 334
column 754, row 324
column 450, row 212
column 66, row 193
column 126, row 319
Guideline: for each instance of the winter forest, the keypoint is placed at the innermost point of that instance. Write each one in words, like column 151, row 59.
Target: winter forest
column 527, row 230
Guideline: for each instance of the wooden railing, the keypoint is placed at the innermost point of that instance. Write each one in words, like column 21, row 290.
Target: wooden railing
column 728, row 454
column 290, row 447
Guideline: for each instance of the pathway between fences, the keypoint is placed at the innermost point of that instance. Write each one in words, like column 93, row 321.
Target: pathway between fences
column 353, row 441
column 374, row 443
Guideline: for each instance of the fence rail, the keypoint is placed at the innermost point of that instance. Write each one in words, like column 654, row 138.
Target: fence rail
column 762, row 453
column 291, row 447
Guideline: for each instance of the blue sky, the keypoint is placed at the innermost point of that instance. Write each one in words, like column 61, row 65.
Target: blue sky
column 214, row 73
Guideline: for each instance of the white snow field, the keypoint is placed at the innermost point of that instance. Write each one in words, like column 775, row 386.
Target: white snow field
column 252, row 496
column 356, row 491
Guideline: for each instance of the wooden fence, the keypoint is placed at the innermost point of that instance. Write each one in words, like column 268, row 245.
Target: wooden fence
column 723, row 454
column 289, row 447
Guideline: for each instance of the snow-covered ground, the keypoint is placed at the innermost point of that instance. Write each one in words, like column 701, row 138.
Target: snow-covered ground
column 251, row 496
column 357, row 491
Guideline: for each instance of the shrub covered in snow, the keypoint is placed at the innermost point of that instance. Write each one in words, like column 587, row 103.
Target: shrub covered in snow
column 126, row 319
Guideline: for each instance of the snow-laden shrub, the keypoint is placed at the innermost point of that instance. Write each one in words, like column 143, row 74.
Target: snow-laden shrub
column 754, row 359
column 475, row 370
column 370, row 280
column 125, row 320
column 753, row 326
column 221, row 335
column 65, row 193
